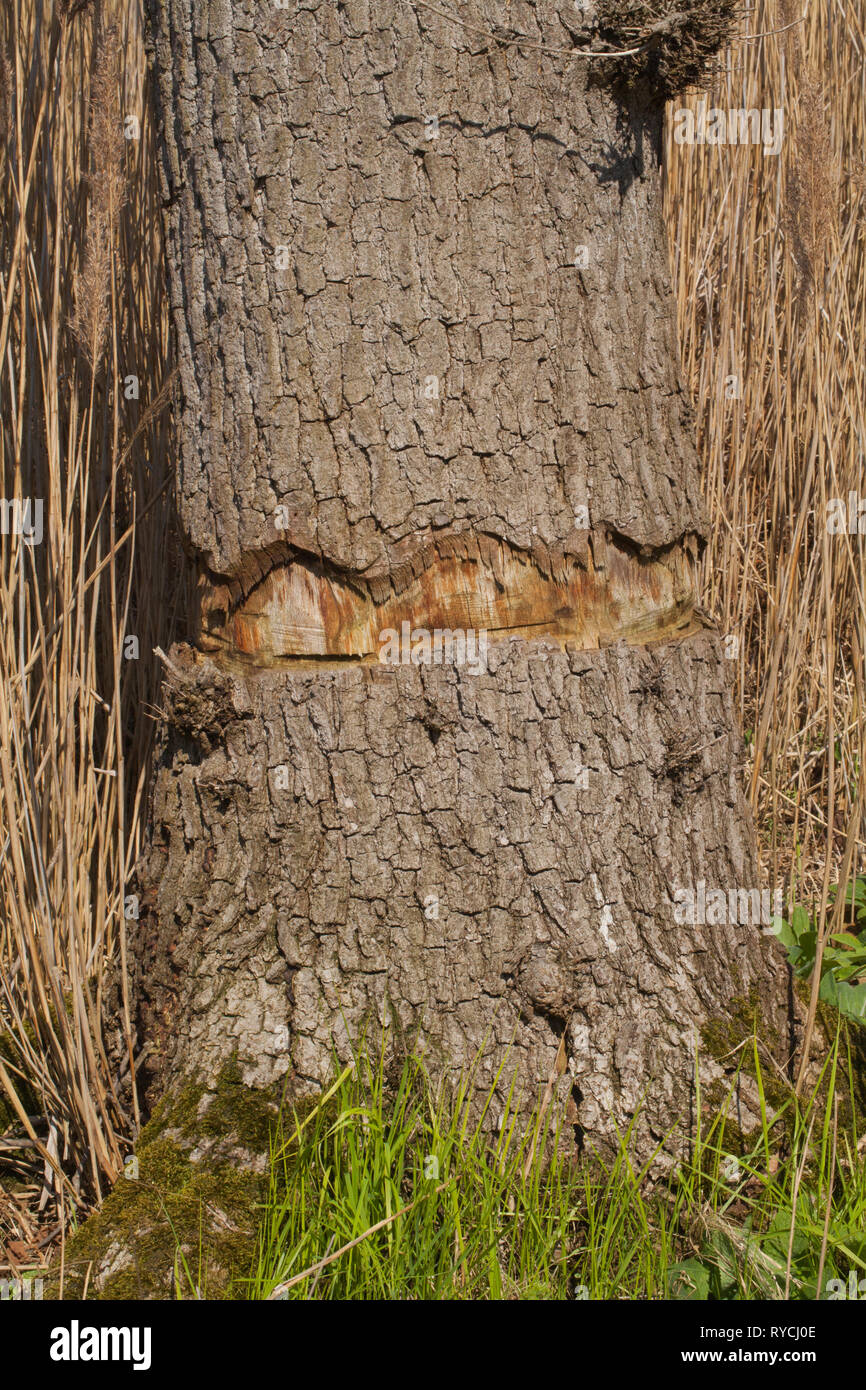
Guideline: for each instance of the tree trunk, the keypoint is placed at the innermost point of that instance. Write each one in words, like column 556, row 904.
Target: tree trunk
column 429, row 383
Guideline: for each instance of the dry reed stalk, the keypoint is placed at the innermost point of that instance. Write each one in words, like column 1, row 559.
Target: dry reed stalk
column 768, row 264
column 82, row 310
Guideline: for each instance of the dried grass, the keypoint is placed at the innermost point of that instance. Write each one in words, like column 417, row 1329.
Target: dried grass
column 768, row 265
column 83, row 309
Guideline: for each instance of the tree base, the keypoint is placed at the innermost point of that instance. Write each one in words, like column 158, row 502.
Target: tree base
column 489, row 864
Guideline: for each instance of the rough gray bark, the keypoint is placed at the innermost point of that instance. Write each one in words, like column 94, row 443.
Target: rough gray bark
column 411, row 257
column 488, row 858
column 433, row 860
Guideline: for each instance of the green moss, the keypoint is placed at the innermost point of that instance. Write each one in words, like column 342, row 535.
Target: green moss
column 196, row 1194
column 175, row 1207
column 722, row 1039
column 230, row 1109
column 721, row 1035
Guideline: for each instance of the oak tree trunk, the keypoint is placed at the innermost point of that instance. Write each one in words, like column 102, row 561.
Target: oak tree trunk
column 428, row 377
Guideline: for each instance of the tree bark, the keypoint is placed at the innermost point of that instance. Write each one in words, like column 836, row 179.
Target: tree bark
column 428, row 376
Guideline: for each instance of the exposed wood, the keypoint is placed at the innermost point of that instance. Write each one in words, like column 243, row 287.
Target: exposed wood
column 302, row 607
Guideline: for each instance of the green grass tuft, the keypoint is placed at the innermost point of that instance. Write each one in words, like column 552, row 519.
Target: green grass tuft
column 437, row 1209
